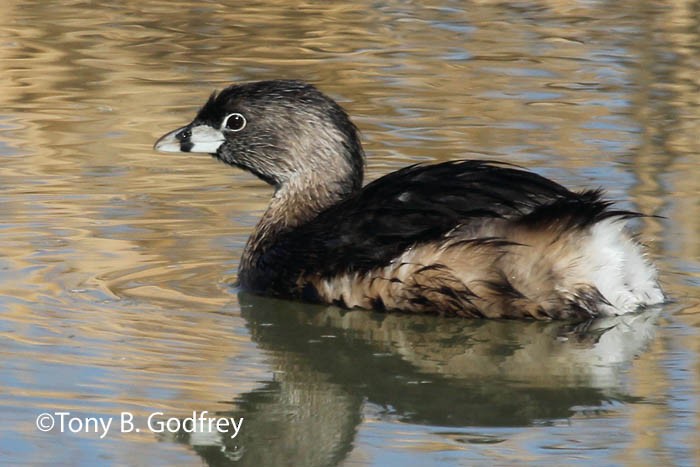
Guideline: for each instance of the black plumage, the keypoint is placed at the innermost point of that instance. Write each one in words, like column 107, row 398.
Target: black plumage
column 420, row 204
column 469, row 238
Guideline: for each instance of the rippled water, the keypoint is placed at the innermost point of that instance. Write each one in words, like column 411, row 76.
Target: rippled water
column 115, row 261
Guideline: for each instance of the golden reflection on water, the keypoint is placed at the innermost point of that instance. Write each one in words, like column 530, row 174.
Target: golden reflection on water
column 115, row 260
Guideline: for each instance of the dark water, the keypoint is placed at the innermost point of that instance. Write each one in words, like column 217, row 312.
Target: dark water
column 115, row 261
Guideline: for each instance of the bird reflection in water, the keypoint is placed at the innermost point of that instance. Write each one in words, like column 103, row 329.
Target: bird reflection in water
column 328, row 363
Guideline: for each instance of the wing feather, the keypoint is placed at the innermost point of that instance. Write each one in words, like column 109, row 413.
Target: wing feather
column 419, row 204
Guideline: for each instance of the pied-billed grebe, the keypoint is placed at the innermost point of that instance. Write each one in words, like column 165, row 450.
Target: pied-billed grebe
column 467, row 238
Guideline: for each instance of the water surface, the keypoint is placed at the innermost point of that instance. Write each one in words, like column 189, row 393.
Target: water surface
column 115, row 261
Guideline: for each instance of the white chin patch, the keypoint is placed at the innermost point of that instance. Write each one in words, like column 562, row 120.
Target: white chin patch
column 205, row 139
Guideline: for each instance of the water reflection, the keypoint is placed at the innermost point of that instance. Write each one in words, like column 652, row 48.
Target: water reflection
column 329, row 363
column 115, row 260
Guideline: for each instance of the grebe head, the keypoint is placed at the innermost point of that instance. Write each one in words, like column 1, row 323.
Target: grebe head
column 280, row 130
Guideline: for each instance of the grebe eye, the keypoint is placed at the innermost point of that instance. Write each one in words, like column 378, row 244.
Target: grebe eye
column 234, row 122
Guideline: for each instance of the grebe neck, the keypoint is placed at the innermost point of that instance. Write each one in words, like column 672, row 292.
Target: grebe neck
column 295, row 202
